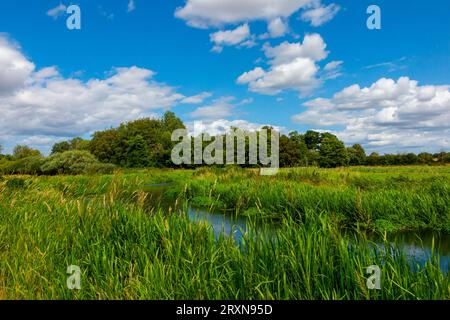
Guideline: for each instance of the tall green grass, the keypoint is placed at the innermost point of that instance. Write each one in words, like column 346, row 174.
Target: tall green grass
column 372, row 201
column 101, row 224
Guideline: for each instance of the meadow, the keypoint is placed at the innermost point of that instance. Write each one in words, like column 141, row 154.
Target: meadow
column 320, row 249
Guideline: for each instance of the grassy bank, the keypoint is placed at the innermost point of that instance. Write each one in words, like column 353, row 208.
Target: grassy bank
column 101, row 224
column 375, row 199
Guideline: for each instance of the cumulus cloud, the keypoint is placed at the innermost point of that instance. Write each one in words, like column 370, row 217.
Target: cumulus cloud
column 45, row 104
column 392, row 115
column 278, row 28
column 292, row 66
column 231, row 37
column 207, row 13
column 59, row 106
column 218, row 13
column 320, row 14
column 14, row 67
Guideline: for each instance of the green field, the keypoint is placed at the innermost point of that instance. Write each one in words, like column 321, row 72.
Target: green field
column 320, row 248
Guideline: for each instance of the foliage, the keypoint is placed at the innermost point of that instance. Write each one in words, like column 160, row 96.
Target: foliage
column 408, row 198
column 74, row 144
column 147, row 143
column 138, row 153
column 332, row 152
column 293, row 151
column 73, row 162
column 101, row 224
column 356, row 155
column 113, row 145
column 29, row 165
column 21, row 152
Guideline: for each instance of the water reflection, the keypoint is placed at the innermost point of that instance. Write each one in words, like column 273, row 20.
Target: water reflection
column 221, row 223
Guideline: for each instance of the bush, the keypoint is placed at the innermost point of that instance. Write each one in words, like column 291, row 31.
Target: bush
column 74, row 162
column 30, row 165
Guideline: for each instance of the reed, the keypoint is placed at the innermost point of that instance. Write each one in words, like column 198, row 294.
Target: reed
column 102, row 225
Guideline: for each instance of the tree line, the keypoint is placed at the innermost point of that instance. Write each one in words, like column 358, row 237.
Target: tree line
column 147, row 143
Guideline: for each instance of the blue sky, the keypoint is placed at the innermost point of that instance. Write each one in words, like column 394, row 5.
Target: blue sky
column 297, row 70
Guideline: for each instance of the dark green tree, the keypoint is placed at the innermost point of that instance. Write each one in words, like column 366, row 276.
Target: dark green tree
column 61, row 147
column 373, row 159
column 357, row 155
column 105, row 145
column 21, row 152
column 425, row 158
column 79, row 144
column 332, row 152
column 312, row 139
column 138, row 153
column 293, row 151
column 74, row 144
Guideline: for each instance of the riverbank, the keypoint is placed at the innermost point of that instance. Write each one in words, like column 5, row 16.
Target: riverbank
column 102, row 224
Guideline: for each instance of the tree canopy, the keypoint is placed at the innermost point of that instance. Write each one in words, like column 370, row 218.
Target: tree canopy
column 147, row 143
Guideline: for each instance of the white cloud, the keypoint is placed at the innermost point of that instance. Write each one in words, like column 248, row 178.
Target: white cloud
column 333, row 65
column 292, row 66
column 230, row 37
column 57, row 11
column 45, row 74
column 388, row 115
column 215, row 13
column 44, row 105
column 14, row 67
column 250, row 76
column 320, row 14
column 220, row 108
column 38, row 141
column 332, row 70
column 222, row 126
column 197, row 98
column 278, row 28
column 313, row 47
column 390, row 66
column 59, row 106
column 206, row 14
column 131, row 6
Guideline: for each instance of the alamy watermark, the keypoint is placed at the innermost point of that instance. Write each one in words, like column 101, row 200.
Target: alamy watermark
column 74, row 278
column 374, row 20
column 374, row 280
column 73, row 22
column 236, row 147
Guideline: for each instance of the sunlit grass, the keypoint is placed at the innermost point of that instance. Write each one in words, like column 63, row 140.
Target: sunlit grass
column 101, row 224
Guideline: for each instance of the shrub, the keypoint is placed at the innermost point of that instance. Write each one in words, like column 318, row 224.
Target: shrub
column 74, row 162
column 30, row 165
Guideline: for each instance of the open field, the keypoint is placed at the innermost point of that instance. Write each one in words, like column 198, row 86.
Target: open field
column 126, row 251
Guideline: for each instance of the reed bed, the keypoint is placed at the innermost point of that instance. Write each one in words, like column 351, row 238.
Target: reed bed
column 102, row 225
